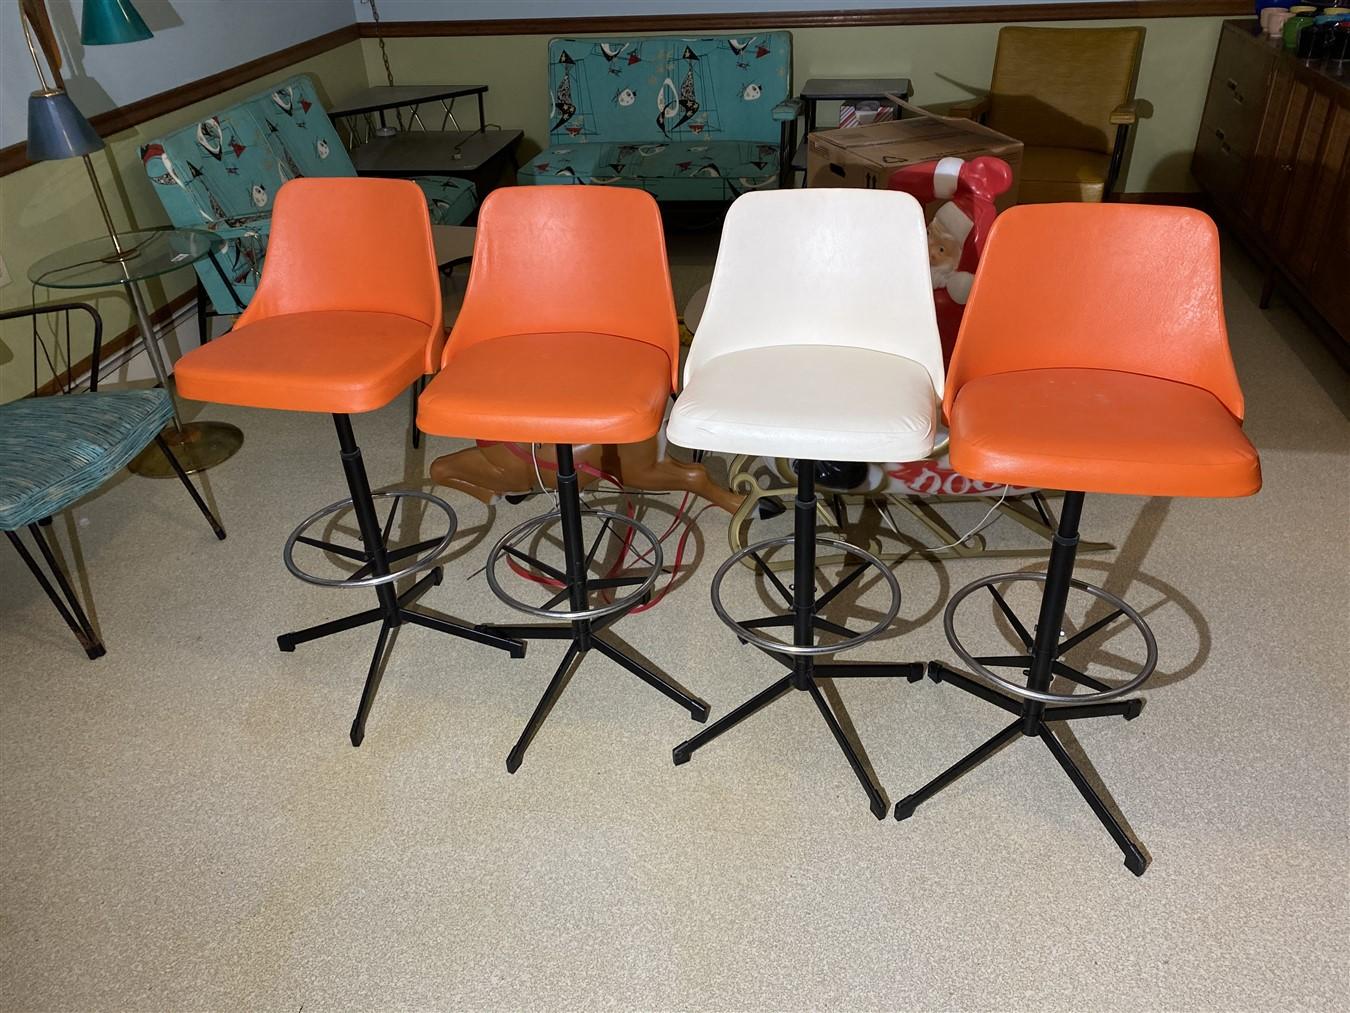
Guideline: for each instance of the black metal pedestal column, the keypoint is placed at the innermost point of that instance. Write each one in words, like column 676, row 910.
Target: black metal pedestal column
column 805, row 620
column 394, row 609
column 1033, row 717
column 585, row 634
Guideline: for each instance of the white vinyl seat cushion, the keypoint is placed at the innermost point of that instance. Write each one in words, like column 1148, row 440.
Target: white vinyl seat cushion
column 815, row 402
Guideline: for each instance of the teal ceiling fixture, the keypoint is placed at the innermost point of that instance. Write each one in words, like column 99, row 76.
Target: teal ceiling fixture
column 110, row 22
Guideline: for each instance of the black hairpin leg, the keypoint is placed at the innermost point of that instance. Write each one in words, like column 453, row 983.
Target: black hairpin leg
column 66, row 603
column 192, row 489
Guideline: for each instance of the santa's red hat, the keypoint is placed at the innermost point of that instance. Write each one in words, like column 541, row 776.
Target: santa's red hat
column 969, row 189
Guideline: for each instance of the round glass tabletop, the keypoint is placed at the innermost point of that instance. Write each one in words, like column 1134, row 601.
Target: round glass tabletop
column 147, row 253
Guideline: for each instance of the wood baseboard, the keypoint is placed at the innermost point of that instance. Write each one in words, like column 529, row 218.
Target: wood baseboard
column 158, row 318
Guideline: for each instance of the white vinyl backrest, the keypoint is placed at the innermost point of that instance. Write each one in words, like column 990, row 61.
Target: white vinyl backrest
column 822, row 267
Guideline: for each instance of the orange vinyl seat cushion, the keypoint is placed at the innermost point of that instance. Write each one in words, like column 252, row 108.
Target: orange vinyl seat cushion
column 573, row 387
column 342, row 362
column 1099, row 430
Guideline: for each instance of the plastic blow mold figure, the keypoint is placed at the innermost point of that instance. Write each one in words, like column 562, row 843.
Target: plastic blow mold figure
column 958, row 198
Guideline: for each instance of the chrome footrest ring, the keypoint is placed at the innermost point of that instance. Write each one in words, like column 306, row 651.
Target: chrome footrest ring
column 1026, row 693
column 619, row 604
column 423, row 562
column 777, row 646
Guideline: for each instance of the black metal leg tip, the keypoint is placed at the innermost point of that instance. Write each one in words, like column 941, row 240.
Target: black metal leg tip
column 879, row 809
column 917, row 672
column 1136, row 706
column 699, row 713
column 437, row 575
column 517, row 652
column 904, row 809
column 220, row 534
column 285, row 644
column 358, row 734
column 1136, row 863
column 95, row 651
column 513, row 763
column 680, row 754
column 935, row 671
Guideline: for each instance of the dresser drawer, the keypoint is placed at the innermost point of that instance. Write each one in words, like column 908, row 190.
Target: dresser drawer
column 1218, row 165
column 1237, row 92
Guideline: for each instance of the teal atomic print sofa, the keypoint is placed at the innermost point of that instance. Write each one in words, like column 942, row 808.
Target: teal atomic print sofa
column 687, row 119
column 222, row 173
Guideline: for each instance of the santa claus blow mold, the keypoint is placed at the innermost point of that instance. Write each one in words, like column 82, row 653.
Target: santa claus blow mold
column 958, row 227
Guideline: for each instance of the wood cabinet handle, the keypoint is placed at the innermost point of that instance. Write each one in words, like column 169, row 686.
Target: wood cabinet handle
column 1223, row 146
column 1231, row 84
column 1218, row 132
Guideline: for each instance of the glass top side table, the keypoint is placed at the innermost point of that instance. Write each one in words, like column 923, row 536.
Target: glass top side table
column 128, row 260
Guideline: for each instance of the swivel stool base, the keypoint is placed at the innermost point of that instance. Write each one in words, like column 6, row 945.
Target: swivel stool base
column 583, row 624
column 394, row 609
column 805, row 619
column 1034, row 709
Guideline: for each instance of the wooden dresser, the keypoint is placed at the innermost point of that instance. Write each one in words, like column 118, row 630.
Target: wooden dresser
column 1274, row 156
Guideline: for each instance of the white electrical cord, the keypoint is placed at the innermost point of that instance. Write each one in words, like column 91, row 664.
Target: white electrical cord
column 985, row 521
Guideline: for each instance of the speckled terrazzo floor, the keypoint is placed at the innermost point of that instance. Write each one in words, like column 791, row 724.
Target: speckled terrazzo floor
column 183, row 824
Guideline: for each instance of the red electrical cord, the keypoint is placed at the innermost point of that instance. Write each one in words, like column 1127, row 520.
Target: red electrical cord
column 631, row 512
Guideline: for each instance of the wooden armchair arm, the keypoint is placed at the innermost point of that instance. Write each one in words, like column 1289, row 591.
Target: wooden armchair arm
column 1126, row 115
column 972, row 109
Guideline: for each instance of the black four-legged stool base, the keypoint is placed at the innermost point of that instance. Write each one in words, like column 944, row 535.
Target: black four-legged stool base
column 806, row 620
column 1033, row 708
column 394, row 608
column 584, row 624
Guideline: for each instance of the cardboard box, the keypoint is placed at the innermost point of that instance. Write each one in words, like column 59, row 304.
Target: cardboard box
column 866, row 156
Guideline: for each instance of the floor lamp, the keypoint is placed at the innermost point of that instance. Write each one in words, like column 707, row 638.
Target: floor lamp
column 56, row 130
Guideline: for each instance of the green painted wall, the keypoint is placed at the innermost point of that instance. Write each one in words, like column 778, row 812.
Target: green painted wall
column 48, row 206
column 939, row 59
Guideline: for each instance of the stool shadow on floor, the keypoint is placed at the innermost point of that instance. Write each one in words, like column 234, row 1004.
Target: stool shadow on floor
column 1124, row 576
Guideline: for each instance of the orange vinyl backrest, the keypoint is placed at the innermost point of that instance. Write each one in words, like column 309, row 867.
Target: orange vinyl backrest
column 1127, row 287
column 351, row 245
column 569, row 258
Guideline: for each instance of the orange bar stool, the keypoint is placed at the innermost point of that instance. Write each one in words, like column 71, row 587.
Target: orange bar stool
column 347, row 316
column 567, row 335
column 1093, row 357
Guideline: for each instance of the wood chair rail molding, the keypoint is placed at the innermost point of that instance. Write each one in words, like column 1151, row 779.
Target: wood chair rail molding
column 13, row 158
column 944, row 15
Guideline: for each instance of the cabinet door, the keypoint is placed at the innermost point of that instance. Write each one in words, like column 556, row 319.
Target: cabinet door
column 1295, row 236
column 1327, row 261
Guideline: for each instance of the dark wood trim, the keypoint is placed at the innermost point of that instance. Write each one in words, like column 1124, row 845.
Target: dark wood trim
column 949, row 15
column 14, row 157
column 158, row 318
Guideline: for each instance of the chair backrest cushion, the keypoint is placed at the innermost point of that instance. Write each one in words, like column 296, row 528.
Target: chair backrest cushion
column 1128, row 287
column 822, row 267
column 1056, row 87
column 662, row 88
column 562, row 259
column 354, row 245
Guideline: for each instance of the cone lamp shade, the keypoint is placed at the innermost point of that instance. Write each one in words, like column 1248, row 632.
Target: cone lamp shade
column 109, row 22
column 57, row 129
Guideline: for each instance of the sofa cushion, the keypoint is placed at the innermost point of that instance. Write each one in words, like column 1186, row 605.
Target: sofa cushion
column 671, row 171
column 667, row 88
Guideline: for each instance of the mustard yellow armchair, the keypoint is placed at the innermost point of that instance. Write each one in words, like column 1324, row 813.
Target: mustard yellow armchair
column 1061, row 91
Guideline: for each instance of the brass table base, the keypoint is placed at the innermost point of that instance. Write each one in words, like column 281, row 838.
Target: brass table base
column 199, row 446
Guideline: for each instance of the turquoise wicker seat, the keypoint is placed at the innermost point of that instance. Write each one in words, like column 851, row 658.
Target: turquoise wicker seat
column 56, row 450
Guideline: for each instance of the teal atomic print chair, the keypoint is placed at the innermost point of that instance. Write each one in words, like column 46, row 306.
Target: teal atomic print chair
column 686, row 119
column 221, row 173
column 55, row 450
